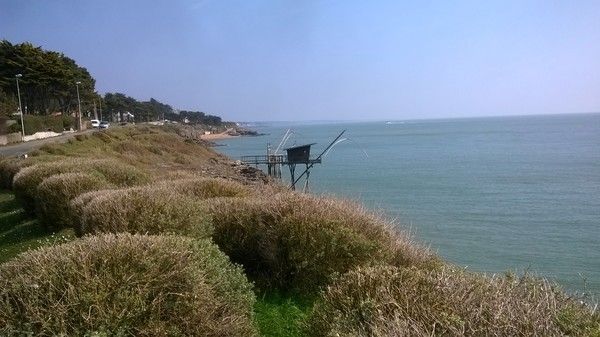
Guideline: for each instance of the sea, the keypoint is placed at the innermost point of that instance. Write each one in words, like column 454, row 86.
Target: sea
column 493, row 194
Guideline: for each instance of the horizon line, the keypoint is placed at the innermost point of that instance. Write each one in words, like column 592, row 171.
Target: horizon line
column 416, row 119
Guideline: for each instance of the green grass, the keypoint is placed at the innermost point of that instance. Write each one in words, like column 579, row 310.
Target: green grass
column 281, row 316
column 19, row 232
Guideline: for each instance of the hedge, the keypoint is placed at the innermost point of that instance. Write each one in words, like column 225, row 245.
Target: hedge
column 122, row 285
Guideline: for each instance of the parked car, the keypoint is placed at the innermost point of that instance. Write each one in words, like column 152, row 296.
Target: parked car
column 104, row 125
column 95, row 123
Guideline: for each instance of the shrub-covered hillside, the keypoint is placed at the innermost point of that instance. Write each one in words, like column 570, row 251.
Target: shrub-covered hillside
column 142, row 232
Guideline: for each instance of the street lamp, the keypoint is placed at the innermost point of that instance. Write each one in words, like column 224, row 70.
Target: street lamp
column 17, row 76
column 79, row 103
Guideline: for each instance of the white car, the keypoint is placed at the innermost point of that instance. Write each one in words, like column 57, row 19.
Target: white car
column 104, row 125
column 95, row 123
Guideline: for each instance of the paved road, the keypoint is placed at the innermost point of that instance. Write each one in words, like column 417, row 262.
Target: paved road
column 22, row 148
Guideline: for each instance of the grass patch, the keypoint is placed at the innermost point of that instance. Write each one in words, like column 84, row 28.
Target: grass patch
column 281, row 316
column 19, row 232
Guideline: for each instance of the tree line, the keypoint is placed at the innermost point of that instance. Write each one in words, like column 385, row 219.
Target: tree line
column 119, row 106
column 48, row 86
column 48, row 82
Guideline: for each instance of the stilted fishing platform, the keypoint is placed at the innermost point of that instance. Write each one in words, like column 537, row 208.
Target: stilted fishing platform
column 294, row 156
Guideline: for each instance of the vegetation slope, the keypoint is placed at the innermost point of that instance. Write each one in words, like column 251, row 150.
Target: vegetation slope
column 144, row 232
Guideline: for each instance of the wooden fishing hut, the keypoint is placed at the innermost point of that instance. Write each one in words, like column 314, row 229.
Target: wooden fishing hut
column 294, row 156
column 300, row 155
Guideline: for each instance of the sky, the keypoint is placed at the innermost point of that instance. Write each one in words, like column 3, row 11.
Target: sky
column 329, row 60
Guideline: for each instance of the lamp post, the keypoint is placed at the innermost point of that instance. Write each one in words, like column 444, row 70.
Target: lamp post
column 17, row 76
column 79, row 103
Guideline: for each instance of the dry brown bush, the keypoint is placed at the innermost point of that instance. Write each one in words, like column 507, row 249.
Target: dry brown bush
column 119, row 173
column 125, row 285
column 26, row 181
column 141, row 210
column 298, row 242
column 177, row 174
column 390, row 301
column 77, row 207
column 54, row 195
column 10, row 166
column 204, row 188
column 164, row 206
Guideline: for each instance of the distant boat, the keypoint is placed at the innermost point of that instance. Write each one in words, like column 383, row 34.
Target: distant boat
column 389, row 123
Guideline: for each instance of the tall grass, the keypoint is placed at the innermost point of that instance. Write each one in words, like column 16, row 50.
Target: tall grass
column 390, row 301
column 125, row 285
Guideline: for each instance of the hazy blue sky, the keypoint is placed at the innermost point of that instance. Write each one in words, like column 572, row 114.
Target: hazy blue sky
column 298, row 60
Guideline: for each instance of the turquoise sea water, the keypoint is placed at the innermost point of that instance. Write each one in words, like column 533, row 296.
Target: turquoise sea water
column 492, row 194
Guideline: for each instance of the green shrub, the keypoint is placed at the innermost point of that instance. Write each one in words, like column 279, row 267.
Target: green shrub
column 55, row 193
column 26, row 181
column 390, row 301
column 125, row 285
column 68, row 122
column 142, row 210
column 296, row 242
column 35, row 123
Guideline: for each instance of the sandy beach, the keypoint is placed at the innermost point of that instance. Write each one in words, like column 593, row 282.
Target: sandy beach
column 216, row 136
